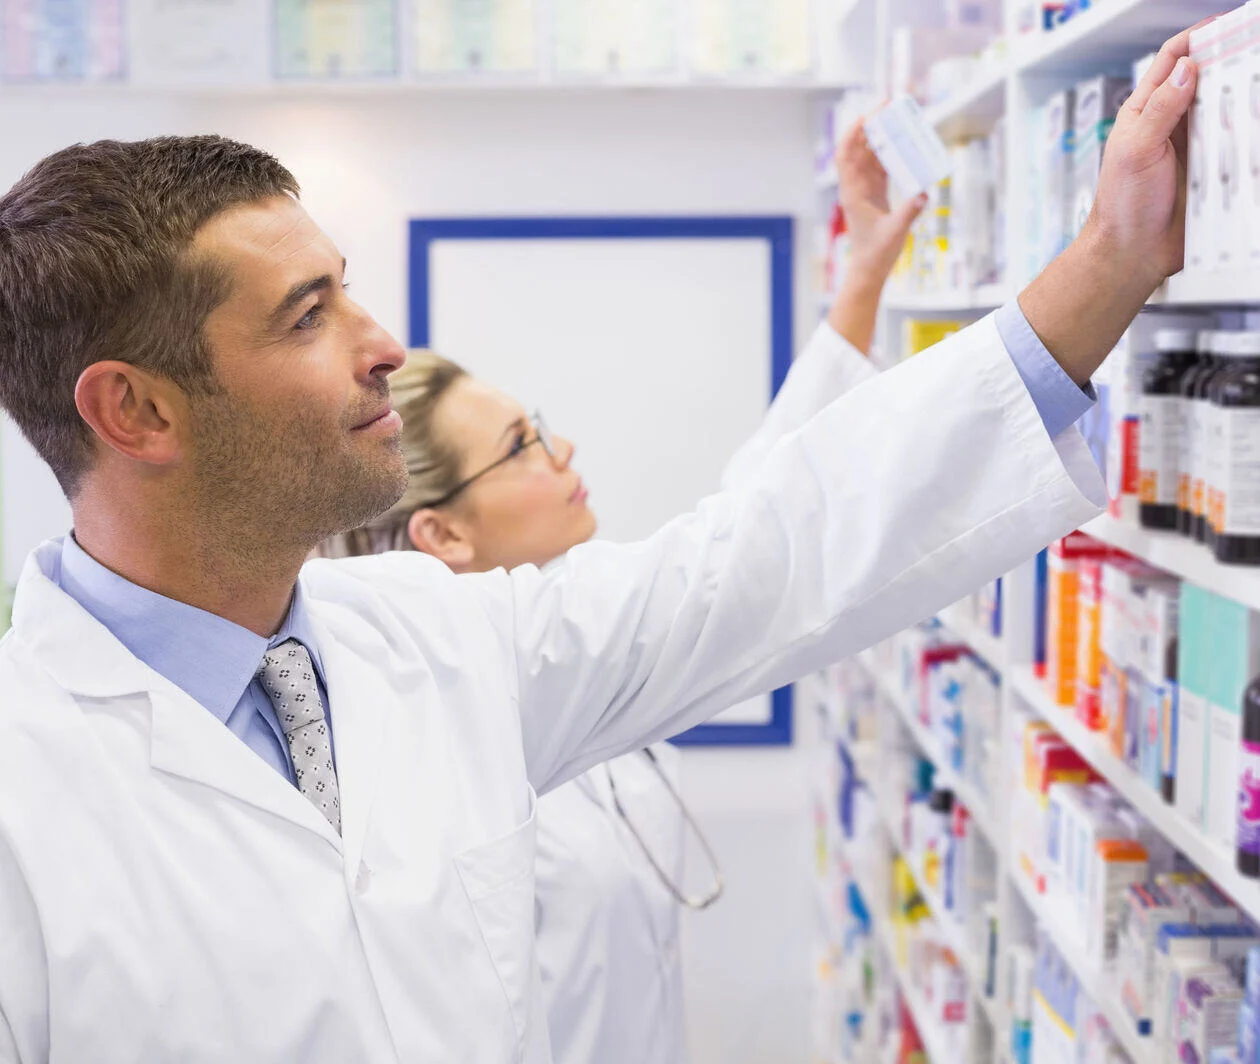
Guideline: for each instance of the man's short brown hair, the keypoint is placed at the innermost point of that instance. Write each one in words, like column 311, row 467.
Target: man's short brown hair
column 95, row 265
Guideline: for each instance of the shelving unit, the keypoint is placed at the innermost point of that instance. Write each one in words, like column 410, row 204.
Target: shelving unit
column 1105, row 39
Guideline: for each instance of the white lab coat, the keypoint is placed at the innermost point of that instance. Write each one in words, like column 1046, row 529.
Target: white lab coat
column 607, row 928
column 165, row 895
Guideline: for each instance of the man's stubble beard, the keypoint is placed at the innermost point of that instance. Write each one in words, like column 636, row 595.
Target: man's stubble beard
column 269, row 486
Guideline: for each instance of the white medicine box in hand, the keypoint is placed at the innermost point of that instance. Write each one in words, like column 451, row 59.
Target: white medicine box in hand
column 907, row 146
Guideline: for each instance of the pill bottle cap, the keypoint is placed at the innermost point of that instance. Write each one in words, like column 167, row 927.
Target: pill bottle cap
column 1174, row 340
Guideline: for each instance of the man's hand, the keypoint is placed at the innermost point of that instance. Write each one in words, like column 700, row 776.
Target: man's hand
column 1136, row 234
column 877, row 233
column 1140, row 211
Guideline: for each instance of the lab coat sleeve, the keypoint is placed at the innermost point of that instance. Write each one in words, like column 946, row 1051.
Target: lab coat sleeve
column 892, row 502
column 826, row 368
column 23, row 970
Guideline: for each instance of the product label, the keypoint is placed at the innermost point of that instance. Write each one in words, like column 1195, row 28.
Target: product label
column 1224, row 752
column 1214, row 463
column 1249, row 798
column 1240, row 478
column 1191, row 754
column 1197, row 418
column 1159, row 448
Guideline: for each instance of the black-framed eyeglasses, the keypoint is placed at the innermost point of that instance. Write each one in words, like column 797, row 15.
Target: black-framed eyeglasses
column 542, row 437
column 680, row 895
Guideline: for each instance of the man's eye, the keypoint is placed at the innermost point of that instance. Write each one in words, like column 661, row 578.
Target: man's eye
column 311, row 318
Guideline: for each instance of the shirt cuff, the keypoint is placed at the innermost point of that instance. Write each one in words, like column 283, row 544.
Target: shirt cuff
column 1059, row 400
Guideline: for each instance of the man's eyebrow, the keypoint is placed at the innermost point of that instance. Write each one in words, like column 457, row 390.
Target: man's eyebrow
column 299, row 293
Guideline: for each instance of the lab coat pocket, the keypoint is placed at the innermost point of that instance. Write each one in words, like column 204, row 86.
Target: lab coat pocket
column 498, row 878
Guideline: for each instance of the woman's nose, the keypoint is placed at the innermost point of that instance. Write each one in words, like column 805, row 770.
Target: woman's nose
column 564, row 452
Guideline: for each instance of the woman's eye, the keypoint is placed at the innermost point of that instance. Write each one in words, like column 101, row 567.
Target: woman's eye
column 518, row 445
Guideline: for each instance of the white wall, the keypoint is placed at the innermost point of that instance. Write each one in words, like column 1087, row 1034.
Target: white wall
column 369, row 162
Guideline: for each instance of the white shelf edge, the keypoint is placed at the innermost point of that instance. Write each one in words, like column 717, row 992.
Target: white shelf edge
column 1035, row 51
column 1209, row 856
column 989, row 647
column 946, row 774
column 1096, row 984
column 990, row 80
column 982, row 298
column 1184, row 558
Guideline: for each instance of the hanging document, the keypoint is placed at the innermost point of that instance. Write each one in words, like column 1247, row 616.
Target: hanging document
column 62, row 40
column 752, row 37
column 493, row 36
column 615, row 37
column 199, row 42
column 336, row 38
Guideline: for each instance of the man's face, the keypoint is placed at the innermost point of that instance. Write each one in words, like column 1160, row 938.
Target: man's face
column 300, row 439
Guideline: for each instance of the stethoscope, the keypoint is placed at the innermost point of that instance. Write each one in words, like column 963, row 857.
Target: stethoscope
column 678, row 893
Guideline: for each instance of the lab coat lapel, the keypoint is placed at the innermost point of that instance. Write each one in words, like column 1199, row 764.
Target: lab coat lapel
column 189, row 742
column 85, row 659
column 360, row 700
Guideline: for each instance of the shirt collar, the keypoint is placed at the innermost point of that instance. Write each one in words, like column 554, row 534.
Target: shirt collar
column 207, row 656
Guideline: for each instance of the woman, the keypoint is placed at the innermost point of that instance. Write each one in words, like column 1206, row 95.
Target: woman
column 490, row 486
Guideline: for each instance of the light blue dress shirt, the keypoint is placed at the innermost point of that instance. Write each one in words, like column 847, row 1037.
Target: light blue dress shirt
column 206, row 656
column 216, row 661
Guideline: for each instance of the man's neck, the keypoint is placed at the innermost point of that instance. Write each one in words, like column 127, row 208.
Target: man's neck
column 238, row 585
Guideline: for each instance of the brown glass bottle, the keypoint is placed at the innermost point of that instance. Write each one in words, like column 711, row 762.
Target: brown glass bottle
column 1162, row 427
column 1235, row 396
column 1192, row 398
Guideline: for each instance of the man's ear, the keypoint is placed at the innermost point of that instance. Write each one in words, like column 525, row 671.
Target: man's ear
column 435, row 533
column 131, row 411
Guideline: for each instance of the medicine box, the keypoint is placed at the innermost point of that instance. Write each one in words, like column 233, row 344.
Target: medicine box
column 1194, row 670
column 907, row 146
column 1062, row 611
column 1208, row 1012
column 1098, row 101
column 1235, row 658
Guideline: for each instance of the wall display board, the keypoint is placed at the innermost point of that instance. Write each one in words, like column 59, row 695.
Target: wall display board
column 640, row 319
column 336, row 38
column 609, row 37
column 62, row 40
column 751, row 36
column 489, row 36
column 199, row 42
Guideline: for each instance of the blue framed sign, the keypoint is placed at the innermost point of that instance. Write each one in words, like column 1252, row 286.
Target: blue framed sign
column 777, row 234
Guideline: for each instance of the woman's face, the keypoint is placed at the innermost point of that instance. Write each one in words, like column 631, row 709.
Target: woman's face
column 532, row 508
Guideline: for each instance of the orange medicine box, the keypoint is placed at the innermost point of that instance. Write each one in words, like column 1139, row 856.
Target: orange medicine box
column 1089, row 654
column 1063, row 565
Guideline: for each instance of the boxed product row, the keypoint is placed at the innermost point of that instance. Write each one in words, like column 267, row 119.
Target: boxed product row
column 1165, row 671
column 1223, row 197
column 1052, row 1018
column 1141, row 915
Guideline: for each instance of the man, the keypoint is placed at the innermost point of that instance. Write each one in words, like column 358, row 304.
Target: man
column 259, row 812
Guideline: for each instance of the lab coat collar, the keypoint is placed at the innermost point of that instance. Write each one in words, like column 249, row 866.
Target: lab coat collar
column 82, row 656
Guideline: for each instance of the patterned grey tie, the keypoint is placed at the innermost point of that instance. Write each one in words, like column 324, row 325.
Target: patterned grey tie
column 288, row 677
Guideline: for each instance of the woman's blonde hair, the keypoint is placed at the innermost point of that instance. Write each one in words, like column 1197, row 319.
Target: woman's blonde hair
column 433, row 466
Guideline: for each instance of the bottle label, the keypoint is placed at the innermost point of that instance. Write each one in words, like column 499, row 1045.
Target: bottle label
column 1159, row 449
column 1240, row 471
column 1249, row 798
column 1198, row 412
column 1214, row 464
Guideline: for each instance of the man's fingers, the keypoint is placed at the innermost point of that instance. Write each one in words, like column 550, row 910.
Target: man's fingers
column 1168, row 104
column 1165, row 62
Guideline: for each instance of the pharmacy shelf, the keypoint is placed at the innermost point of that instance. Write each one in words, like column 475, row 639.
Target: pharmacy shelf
column 946, row 775
column 971, row 301
column 1184, row 558
column 1097, row 984
column 1211, row 857
column 951, row 930
column 1106, row 38
column 972, row 111
column 1202, row 288
column 984, row 644
column 939, row 1050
